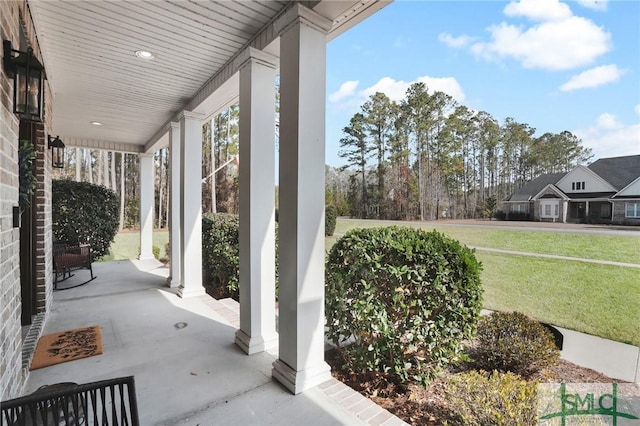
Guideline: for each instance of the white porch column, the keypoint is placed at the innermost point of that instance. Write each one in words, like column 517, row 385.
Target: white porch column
column 146, row 206
column 301, row 212
column 190, row 204
column 257, row 205
column 173, row 280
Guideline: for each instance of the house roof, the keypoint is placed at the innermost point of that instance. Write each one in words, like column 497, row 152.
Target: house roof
column 535, row 186
column 618, row 171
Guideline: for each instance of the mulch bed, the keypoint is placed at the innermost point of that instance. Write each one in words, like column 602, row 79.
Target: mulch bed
column 418, row 405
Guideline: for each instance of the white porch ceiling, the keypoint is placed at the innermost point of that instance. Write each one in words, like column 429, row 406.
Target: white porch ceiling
column 88, row 50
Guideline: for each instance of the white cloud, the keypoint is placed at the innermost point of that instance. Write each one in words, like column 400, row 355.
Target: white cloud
column 553, row 45
column 539, row 10
column 348, row 88
column 593, row 78
column 637, row 109
column 608, row 137
column 556, row 40
column 396, row 89
column 599, row 5
column 457, row 42
column 608, row 121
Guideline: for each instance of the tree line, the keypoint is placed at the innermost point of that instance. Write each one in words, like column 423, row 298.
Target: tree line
column 428, row 157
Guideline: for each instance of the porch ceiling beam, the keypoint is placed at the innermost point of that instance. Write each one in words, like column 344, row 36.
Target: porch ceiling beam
column 104, row 145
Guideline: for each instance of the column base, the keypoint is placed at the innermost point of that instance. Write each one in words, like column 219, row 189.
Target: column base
column 152, row 257
column 185, row 292
column 299, row 381
column 172, row 283
column 256, row 344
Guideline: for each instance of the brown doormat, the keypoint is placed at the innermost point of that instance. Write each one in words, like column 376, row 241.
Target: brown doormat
column 67, row 346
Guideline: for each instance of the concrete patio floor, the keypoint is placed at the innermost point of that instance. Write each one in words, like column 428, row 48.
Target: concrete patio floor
column 187, row 368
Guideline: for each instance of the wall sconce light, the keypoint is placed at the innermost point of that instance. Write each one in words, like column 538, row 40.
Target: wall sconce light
column 28, row 82
column 57, row 152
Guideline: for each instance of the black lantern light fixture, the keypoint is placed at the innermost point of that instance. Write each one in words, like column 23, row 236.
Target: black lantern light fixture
column 57, row 152
column 28, row 82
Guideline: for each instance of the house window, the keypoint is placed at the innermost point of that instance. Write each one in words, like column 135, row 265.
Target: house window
column 577, row 186
column 583, row 185
column 632, row 210
column 573, row 186
column 550, row 209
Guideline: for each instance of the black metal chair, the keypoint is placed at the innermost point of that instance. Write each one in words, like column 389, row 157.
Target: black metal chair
column 106, row 402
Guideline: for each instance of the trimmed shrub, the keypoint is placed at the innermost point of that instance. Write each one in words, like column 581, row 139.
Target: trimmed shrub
column 483, row 399
column 510, row 341
column 330, row 217
column 518, row 216
column 500, row 215
column 84, row 213
column 221, row 253
column 401, row 300
column 156, row 252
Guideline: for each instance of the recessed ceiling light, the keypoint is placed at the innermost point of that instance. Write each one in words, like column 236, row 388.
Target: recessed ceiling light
column 96, row 123
column 144, row 54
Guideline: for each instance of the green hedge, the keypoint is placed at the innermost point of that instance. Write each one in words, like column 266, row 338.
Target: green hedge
column 221, row 253
column 330, row 217
column 84, row 213
column 511, row 341
column 406, row 298
column 496, row 399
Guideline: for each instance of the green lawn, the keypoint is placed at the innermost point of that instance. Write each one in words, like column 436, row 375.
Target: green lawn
column 600, row 247
column 596, row 299
column 126, row 245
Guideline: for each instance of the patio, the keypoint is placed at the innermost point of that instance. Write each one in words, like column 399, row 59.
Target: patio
column 182, row 353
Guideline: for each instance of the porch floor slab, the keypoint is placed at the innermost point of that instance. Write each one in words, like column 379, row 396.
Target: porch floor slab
column 187, row 369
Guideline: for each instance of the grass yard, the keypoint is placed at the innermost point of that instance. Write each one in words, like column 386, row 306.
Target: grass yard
column 590, row 246
column 126, row 245
column 602, row 300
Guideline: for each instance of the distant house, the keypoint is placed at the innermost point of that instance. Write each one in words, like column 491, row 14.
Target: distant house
column 606, row 191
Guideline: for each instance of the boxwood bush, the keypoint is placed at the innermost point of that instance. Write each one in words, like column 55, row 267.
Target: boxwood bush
column 330, row 217
column 221, row 254
column 491, row 399
column 84, row 213
column 511, row 341
column 400, row 300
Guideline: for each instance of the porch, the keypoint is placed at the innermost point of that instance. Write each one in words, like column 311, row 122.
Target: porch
column 182, row 353
column 142, row 77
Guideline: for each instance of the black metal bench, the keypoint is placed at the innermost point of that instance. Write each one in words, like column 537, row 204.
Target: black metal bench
column 68, row 258
column 106, row 402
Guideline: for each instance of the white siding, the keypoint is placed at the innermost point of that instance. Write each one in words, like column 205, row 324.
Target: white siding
column 592, row 182
column 633, row 189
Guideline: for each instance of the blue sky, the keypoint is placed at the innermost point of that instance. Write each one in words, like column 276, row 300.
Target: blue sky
column 553, row 65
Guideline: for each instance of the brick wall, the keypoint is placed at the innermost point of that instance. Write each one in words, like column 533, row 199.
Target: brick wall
column 619, row 211
column 10, row 331
column 14, row 17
